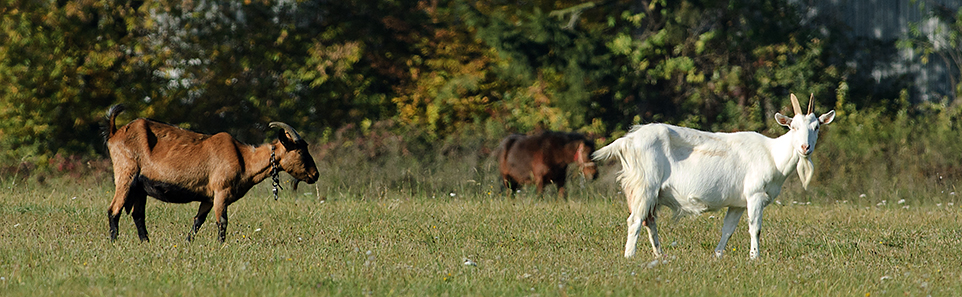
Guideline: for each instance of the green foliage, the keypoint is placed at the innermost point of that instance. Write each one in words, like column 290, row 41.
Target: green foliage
column 867, row 151
column 449, row 85
column 57, row 61
column 719, row 66
column 446, row 73
column 551, row 72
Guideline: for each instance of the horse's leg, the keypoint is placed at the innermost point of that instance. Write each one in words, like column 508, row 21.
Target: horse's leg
column 539, row 183
column 559, row 179
column 509, row 184
column 514, row 186
column 505, row 183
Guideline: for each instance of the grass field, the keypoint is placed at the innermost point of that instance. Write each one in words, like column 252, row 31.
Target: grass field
column 53, row 241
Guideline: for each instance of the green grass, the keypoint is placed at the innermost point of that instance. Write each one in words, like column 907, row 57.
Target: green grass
column 53, row 241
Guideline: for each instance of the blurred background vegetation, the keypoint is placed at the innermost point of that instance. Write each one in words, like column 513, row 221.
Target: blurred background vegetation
column 421, row 86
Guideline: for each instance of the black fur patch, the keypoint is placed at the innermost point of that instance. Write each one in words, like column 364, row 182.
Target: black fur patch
column 168, row 192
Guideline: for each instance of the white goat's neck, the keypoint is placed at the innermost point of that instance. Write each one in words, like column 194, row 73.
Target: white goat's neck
column 785, row 156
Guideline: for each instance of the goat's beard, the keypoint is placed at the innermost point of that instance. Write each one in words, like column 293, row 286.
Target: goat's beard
column 805, row 171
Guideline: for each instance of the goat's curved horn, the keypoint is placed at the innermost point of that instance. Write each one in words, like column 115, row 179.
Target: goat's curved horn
column 798, row 109
column 287, row 128
column 811, row 103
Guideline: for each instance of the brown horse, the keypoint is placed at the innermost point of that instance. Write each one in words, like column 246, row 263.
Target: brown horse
column 544, row 158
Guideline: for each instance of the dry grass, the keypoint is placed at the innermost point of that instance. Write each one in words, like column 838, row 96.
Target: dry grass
column 53, row 240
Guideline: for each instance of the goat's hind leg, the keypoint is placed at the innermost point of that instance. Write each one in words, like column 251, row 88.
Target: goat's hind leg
column 199, row 219
column 649, row 224
column 634, row 231
column 137, row 199
column 122, row 188
column 642, row 209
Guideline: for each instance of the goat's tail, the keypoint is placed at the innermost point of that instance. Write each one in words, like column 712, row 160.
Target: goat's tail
column 111, row 119
column 614, row 149
column 638, row 175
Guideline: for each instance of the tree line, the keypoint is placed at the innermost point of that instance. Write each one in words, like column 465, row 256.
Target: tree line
column 432, row 68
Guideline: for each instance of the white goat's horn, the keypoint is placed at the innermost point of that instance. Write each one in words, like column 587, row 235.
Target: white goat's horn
column 287, row 128
column 811, row 103
column 798, row 109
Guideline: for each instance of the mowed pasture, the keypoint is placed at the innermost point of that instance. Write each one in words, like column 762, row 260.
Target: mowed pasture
column 54, row 241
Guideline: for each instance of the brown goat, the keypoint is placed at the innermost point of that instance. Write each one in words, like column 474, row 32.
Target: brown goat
column 543, row 158
column 180, row 166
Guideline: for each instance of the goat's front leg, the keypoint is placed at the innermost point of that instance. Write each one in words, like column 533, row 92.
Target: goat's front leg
column 728, row 227
column 755, row 206
column 199, row 218
column 220, row 211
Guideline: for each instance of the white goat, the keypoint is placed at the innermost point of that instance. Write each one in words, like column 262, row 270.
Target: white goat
column 693, row 171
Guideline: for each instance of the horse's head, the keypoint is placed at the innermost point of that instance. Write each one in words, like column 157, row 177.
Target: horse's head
column 583, row 159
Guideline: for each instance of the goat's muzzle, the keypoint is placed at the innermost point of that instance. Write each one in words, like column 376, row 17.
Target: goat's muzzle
column 311, row 178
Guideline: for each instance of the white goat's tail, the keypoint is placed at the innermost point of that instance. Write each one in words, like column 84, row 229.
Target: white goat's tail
column 639, row 173
column 613, row 149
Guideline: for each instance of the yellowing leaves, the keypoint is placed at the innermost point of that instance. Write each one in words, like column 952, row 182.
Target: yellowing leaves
column 327, row 61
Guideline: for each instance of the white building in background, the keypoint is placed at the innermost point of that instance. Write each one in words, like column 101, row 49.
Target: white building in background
column 888, row 21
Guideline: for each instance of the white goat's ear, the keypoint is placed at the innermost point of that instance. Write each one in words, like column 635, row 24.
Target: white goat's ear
column 805, row 171
column 826, row 118
column 783, row 120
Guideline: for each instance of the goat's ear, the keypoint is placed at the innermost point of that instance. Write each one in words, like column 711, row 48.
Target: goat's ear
column 285, row 139
column 826, row 118
column 783, row 120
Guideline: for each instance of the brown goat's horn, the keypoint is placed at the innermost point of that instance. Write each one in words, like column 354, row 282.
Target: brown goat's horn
column 287, row 128
column 798, row 109
column 811, row 103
